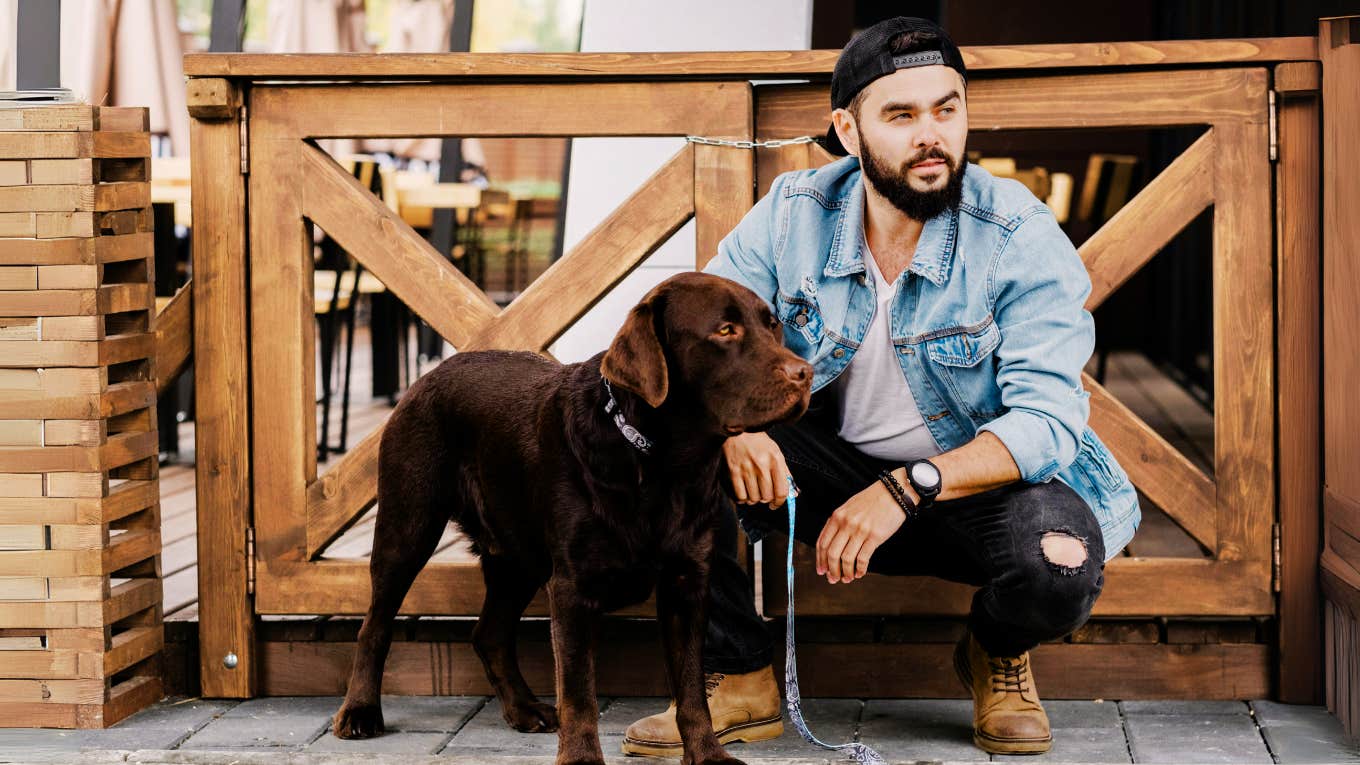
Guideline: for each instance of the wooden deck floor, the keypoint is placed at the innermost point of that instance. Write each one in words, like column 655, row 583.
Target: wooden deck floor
column 1131, row 377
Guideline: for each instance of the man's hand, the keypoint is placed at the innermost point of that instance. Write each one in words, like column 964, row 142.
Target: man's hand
column 855, row 531
column 758, row 469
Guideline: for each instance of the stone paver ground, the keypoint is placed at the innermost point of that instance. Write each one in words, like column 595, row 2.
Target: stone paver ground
column 468, row 729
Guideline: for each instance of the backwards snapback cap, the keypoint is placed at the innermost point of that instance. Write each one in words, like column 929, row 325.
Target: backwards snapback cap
column 869, row 56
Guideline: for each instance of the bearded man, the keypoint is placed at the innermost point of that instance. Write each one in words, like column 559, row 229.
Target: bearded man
column 943, row 312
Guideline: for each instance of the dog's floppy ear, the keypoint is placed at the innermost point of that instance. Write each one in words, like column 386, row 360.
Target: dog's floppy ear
column 635, row 360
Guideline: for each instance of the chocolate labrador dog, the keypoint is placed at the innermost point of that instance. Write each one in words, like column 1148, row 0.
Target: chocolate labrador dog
column 599, row 479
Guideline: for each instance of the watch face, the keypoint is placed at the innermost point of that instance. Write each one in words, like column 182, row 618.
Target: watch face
column 925, row 475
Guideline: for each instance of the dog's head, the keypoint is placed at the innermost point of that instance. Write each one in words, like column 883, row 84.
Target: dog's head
column 710, row 342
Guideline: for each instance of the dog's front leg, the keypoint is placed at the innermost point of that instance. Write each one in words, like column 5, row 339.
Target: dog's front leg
column 574, row 623
column 681, row 605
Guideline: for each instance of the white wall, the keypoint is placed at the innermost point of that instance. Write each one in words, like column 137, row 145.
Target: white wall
column 605, row 171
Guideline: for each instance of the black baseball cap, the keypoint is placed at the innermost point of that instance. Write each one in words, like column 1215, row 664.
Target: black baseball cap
column 869, row 56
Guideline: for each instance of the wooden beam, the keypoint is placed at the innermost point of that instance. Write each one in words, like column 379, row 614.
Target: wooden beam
column 174, row 337
column 754, row 64
column 558, row 109
column 1298, row 78
column 724, row 187
column 283, row 342
column 1147, row 99
column 1156, row 467
column 1134, row 587
column 371, row 232
column 1150, row 220
column 1244, row 340
column 342, row 586
column 1298, row 348
column 629, row 665
column 346, row 491
column 634, row 230
column 221, row 382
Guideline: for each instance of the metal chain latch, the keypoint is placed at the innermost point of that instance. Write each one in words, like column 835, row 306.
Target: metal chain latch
column 770, row 144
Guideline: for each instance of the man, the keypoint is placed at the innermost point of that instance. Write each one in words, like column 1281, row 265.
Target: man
column 943, row 312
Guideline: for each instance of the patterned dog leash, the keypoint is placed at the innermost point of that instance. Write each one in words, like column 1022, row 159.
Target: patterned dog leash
column 854, row 750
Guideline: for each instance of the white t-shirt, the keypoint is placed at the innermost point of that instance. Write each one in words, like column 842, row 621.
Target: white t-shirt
column 878, row 413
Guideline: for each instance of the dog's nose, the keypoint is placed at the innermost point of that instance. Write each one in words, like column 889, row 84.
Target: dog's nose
column 797, row 370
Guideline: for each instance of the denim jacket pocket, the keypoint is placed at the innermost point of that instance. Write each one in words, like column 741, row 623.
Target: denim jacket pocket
column 802, row 321
column 966, row 347
column 1095, row 460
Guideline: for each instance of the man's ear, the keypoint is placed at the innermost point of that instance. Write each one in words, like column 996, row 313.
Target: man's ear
column 635, row 360
column 846, row 130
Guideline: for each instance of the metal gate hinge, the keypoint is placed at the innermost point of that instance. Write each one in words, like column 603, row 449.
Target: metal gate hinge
column 245, row 141
column 1275, row 557
column 250, row 560
column 1274, row 127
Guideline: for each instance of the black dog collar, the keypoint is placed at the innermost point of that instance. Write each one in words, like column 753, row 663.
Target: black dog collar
column 611, row 407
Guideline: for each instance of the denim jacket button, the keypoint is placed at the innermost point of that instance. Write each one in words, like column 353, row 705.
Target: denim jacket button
column 838, row 353
column 801, row 319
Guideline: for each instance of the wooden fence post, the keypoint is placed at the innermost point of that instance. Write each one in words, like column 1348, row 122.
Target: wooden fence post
column 1298, row 274
column 221, row 380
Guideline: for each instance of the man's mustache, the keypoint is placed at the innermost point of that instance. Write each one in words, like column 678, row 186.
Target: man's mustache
column 934, row 152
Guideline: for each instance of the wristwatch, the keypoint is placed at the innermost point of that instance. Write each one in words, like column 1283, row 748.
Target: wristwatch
column 925, row 479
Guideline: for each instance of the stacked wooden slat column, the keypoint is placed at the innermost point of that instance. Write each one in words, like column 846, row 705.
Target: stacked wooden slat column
column 80, row 588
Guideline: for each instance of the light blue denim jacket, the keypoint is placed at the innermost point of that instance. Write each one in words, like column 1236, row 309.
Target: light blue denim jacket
column 991, row 334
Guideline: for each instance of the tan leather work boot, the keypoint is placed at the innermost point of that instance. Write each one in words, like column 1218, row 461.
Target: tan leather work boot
column 744, row 708
column 1007, row 715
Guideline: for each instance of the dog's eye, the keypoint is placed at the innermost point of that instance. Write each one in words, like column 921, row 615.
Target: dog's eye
column 727, row 329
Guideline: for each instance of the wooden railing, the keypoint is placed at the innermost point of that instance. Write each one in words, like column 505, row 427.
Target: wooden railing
column 266, row 516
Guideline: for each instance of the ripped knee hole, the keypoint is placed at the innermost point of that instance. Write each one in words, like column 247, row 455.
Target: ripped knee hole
column 1064, row 551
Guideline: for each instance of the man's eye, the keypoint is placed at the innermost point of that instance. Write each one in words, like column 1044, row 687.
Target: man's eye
column 947, row 110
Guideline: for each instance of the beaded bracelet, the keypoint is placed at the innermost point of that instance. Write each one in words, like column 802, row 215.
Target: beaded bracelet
column 898, row 493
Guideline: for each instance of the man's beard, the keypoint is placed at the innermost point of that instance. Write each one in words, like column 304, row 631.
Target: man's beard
column 895, row 185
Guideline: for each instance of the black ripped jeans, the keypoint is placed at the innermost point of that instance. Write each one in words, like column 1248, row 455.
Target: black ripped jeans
column 991, row 540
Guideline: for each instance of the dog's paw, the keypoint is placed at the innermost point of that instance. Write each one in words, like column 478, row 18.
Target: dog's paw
column 358, row 722
column 532, row 717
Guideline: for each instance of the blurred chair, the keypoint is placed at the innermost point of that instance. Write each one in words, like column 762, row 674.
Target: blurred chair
column 515, row 249
column 1107, row 187
column 335, row 300
column 416, row 205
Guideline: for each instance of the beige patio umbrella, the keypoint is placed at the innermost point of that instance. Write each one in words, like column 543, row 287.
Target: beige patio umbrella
column 9, row 22
column 128, row 53
column 319, row 26
column 415, row 26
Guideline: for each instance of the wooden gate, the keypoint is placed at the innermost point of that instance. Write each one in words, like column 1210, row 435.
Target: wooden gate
column 266, row 515
column 1227, row 168
column 292, row 180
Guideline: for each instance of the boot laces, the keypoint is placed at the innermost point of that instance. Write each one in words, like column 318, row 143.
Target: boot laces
column 711, row 682
column 1008, row 674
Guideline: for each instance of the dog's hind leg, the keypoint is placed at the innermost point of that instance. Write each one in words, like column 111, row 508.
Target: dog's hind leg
column 509, row 588
column 410, row 522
